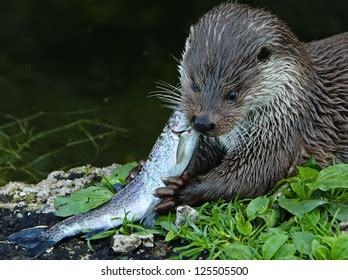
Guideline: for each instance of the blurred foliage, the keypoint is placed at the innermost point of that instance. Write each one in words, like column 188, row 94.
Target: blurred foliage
column 28, row 153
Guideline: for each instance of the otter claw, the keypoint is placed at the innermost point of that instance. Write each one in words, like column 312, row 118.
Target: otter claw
column 174, row 181
column 165, row 206
column 180, row 181
column 164, row 192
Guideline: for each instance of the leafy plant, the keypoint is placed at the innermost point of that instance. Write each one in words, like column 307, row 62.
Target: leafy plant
column 299, row 220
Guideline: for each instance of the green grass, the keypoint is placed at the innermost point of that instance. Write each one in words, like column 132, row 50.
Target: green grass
column 29, row 153
column 298, row 220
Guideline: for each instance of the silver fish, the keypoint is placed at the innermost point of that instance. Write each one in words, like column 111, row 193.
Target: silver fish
column 170, row 156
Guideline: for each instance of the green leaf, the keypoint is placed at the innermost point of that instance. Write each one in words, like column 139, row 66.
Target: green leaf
column 332, row 177
column 245, row 228
column 339, row 250
column 257, row 205
column 122, row 172
column 168, row 226
column 81, row 201
column 303, row 242
column 285, row 252
column 170, row 236
column 109, row 181
column 298, row 207
column 309, row 221
column 300, row 184
column 340, row 210
column 320, row 252
column 103, row 234
column 272, row 245
column 119, row 176
column 308, row 174
column 299, row 188
column 312, row 163
column 238, row 251
column 271, row 217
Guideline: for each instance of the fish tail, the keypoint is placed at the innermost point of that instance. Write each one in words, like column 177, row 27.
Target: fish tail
column 35, row 240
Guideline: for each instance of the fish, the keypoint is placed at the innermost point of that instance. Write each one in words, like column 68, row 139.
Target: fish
column 170, row 156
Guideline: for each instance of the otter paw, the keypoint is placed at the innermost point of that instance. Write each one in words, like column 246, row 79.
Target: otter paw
column 135, row 171
column 169, row 195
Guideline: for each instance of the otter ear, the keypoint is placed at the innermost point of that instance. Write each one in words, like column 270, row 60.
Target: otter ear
column 264, row 53
column 188, row 40
column 192, row 30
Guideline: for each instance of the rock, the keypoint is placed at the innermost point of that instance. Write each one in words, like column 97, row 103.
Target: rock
column 40, row 197
column 19, row 215
column 22, row 194
column 344, row 227
column 123, row 244
column 161, row 249
column 147, row 240
column 21, row 204
column 183, row 214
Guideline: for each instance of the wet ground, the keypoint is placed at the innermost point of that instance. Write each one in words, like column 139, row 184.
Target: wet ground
column 71, row 249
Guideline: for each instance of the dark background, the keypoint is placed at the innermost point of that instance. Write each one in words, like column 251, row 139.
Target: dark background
column 67, row 55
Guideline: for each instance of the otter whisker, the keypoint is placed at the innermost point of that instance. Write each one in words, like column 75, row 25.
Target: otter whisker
column 170, row 92
column 168, row 86
column 163, row 83
column 169, row 101
column 172, row 107
column 163, row 93
column 177, row 60
column 156, row 93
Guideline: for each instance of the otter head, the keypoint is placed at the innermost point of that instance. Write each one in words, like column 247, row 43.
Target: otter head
column 237, row 59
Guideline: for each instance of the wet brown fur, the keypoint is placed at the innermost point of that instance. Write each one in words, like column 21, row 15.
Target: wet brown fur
column 291, row 106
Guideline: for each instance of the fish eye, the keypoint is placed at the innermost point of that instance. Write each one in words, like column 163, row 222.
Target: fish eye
column 194, row 86
column 231, row 96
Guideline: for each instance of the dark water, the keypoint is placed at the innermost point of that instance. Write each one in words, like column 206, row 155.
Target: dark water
column 69, row 55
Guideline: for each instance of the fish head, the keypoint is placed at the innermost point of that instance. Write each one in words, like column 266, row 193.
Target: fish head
column 187, row 140
column 179, row 124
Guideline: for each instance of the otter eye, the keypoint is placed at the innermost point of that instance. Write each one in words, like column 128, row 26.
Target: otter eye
column 194, row 86
column 264, row 53
column 231, row 96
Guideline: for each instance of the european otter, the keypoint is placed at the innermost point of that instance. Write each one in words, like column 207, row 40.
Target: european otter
column 264, row 101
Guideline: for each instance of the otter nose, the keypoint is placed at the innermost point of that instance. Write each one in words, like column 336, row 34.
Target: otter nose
column 202, row 124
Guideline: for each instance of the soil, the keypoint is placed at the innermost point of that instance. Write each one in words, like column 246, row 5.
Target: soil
column 69, row 249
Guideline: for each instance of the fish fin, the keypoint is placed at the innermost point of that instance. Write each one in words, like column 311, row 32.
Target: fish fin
column 180, row 152
column 117, row 187
column 89, row 234
column 149, row 220
column 34, row 240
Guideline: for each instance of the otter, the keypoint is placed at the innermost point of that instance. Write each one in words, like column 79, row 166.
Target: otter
column 263, row 101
